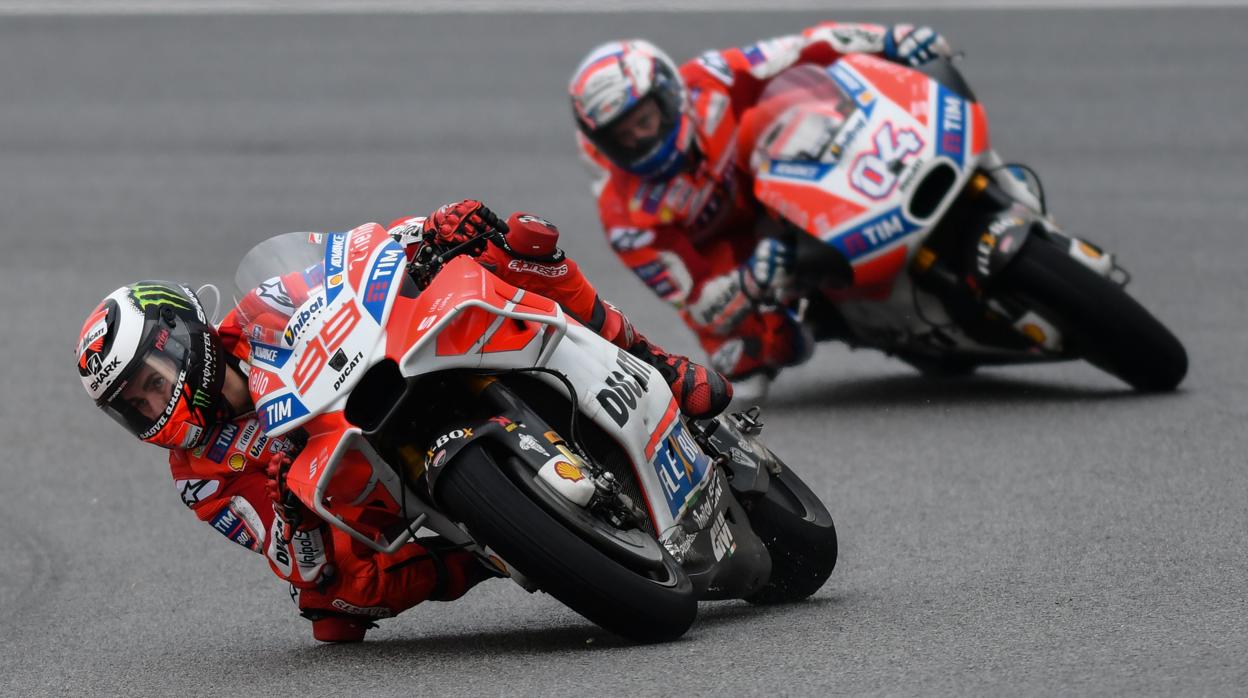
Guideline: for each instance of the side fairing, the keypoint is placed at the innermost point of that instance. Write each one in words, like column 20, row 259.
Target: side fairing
column 630, row 401
column 466, row 319
column 469, row 318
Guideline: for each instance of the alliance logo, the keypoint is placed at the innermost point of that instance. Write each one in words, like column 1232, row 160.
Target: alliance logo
column 337, row 246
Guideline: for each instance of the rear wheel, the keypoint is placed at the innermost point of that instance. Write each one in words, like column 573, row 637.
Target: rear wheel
column 798, row 532
column 1101, row 322
column 641, row 602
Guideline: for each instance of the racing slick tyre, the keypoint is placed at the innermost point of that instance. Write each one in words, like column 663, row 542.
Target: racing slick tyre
column 798, row 532
column 1103, row 324
column 640, row 603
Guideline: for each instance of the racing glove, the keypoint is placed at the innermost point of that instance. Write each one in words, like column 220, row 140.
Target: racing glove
column 457, row 223
column 286, row 505
column 764, row 279
column 296, row 549
column 768, row 273
column 913, row 46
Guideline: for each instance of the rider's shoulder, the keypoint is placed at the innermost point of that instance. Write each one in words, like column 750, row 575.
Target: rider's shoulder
column 230, row 449
column 709, row 68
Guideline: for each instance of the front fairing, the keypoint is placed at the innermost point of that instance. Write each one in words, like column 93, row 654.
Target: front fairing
column 305, row 361
column 872, row 186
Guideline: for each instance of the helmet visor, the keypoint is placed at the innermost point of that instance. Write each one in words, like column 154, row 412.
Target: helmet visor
column 151, row 393
column 643, row 134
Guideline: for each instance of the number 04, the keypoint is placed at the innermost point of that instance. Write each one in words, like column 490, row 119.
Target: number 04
column 871, row 173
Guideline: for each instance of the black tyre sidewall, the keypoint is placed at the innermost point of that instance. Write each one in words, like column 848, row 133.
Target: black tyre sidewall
column 800, row 536
column 476, row 491
column 1109, row 328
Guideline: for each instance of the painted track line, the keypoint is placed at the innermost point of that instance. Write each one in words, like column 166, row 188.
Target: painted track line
column 177, row 7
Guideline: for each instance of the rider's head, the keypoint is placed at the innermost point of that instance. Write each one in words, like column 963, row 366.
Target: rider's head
column 150, row 359
column 629, row 101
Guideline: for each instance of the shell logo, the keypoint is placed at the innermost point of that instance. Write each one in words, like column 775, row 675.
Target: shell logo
column 237, row 462
column 1088, row 250
column 502, row 566
column 567, row 471
column 1034, row 333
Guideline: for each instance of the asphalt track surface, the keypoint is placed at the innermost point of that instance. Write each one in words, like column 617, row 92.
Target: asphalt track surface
column 1023, row 531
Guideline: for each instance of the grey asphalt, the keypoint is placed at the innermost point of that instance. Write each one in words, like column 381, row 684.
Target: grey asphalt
column 1028, row 531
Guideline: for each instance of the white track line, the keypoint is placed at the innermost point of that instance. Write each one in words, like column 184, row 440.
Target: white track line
column 177, row 7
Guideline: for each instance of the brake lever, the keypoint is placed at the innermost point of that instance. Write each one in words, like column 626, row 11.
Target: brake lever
column 427, row 261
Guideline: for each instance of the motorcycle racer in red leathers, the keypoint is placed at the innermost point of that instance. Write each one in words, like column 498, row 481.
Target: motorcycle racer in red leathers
column 674, row 199
column 150, row 359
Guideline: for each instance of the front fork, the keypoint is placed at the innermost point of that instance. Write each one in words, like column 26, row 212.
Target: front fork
column 965, row 274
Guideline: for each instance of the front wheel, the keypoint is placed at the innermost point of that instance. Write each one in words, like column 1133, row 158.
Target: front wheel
column 798, row 532
column 638, row 602
column 1101, row 322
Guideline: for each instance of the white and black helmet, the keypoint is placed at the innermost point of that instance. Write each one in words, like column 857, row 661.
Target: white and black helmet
column 149, row 358
column 614, row 79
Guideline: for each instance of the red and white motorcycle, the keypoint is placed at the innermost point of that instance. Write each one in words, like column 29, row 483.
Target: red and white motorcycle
column 912, row 237
column 436, row 399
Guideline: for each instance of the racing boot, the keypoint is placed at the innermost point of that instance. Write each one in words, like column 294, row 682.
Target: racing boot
column 762, row 345
column 701, row 392
column 340, row 627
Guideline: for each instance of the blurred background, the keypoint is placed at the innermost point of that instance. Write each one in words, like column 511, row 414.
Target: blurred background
column 1027, row 530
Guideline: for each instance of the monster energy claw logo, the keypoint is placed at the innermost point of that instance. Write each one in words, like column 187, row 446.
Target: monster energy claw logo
column 201, row 399
column 145, row 295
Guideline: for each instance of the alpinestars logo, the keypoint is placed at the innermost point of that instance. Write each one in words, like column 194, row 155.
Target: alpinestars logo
column 145, row 295
column 530, row 218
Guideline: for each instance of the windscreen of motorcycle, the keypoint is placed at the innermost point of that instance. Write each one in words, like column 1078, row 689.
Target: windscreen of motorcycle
column 278, row 256
column 796, row 120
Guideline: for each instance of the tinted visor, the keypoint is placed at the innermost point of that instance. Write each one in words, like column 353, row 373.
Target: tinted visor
column 151, row 390
column 631, row 155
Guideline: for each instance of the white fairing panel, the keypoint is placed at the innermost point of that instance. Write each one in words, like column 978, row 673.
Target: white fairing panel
column 631, row 402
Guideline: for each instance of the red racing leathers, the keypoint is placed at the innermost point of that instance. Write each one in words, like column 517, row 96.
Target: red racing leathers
column 341, row 583
column 689, row 236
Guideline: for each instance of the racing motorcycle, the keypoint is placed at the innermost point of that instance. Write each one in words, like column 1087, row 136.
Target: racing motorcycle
column 913, row 237
column 436, row 402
